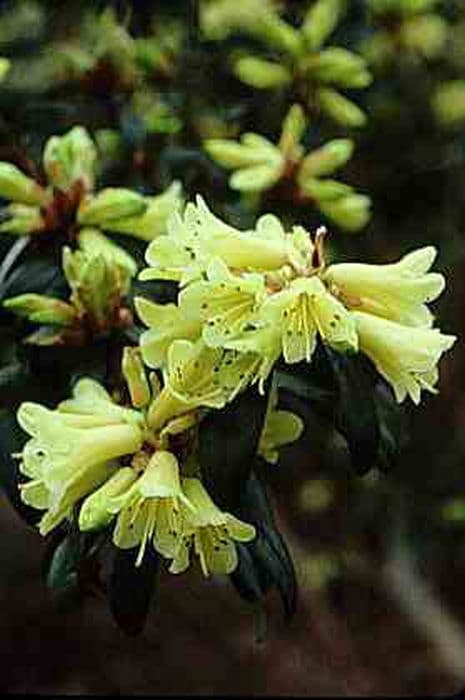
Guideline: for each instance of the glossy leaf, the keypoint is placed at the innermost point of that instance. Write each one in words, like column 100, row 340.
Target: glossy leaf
column 132, row 588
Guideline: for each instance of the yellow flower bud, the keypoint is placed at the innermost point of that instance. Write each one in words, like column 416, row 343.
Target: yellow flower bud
column 320, row 21
column 110, row 204
column 17, row 187
column 41, row 309
column 351, row 212
column 326, row 159
column 340, row 109
column 136, row 379
column 70, row 158
column 261, row 74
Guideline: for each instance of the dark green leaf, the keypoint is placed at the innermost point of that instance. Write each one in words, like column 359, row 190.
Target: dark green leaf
column 132, row 588
column 355, row 416
column 228, row 441
column 391, row 420
column 62, row 575
column 40, row 276
column 245, row 577
column 265, row 562
column 340, row 388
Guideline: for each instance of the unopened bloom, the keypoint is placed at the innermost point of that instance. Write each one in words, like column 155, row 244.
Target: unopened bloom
column 70, row 158
column 18, row 187
column 210, row 531
column 69, row 455
column 397, row 291
column 152, row 222
column 257, row 163
column 406, row 357
column 150, row 509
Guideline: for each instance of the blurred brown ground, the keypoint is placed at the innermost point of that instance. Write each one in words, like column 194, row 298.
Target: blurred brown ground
column 201, row 641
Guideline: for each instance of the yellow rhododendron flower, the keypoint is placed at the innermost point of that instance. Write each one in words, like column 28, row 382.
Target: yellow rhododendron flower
column 224, row 302
column 69, row 456
column 304, row 310
column 167, row 322
column 202, row 236
column 397, row 291
column 406, row 357
column 150, row 509
column 210, row 531
column 91, row 398
column 196, row 376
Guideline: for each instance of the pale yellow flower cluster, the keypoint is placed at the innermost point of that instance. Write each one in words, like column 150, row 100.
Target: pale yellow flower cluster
column 246, row 299
column 252, row 296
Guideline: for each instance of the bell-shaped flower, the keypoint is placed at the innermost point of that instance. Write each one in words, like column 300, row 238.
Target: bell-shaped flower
column 305, row 310
column 224, row 302
column 91, row 398
column 210, row 531
column 262, row 341
column 405, row 356
column 207, row 236
column 150, row 510
column 196, row 376
column 69, row 456
column 166, row 322
column 171, row 258
column 397, row 291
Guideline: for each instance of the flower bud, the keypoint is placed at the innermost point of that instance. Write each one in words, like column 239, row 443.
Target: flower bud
column 17, row 187
column 256, row 179
column 152, row 222
column 70, row 158
column 293, row 129
column 41, row 309
column 5, row 65
column 110, row 204
column 351, row 213
column 95, row 513
column 320, row 21
column 93, row 243
column 448, row 103
column 21, row 219
column 261, row 74
column 425, row 34
column 340, row 66
column 340, row 108
column 324, row 190
column 136, row 379
column 325, row 160
column 97, row 285
column 279, row 34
